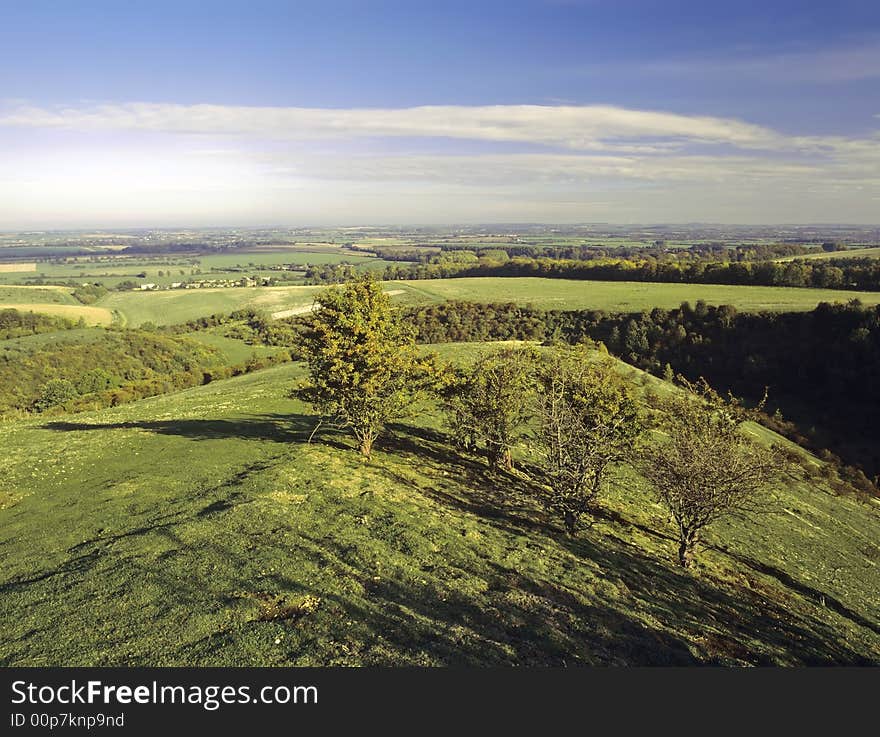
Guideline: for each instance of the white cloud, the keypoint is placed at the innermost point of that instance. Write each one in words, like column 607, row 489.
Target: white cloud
column 141, row 163
column 592, row 127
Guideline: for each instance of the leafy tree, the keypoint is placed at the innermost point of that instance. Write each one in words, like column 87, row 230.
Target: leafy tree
column 363, row 367
column 589, row 421
column 488, row 404
column 96, row 380
column 55, row 392
column 706, row 469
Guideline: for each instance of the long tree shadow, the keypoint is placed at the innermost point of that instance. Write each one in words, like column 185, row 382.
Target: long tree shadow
column 272, row 427
column 805, row 590
column 515, row 621
column 502, row 630
column 506, row 498
column 507, row 502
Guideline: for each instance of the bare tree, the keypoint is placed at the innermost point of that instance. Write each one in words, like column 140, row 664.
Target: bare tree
column 705, row 468
column 588, row 422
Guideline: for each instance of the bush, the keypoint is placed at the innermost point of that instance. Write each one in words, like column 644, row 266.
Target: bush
column 54, row 393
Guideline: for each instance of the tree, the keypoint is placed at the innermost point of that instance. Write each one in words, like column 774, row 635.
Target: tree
column 588, row 422
column 363, row 367
column 488, row 403
column 54, row 393
column 706, row 469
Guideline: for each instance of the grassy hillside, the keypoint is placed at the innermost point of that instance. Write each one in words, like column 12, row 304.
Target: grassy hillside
column 201, row 528
column 91, row 315
column 55, row 301
column 171, row 307
column 37, row 295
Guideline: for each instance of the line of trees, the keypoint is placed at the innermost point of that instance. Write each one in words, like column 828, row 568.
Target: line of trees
column 847, row 273
column 590, row 252
column 577, row 415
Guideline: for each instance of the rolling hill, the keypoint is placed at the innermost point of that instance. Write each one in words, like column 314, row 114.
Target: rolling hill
column 201, row 528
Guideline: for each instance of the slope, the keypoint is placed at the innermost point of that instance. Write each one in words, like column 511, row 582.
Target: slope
column 200, row 528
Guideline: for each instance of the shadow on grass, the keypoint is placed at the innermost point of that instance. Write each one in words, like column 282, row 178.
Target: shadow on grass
column 516, row 619
column 468, row 483
column 507, row 502
column 805, row 590
column 272, row 427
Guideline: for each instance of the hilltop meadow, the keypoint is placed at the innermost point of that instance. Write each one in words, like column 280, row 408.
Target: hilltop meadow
column 203, row 528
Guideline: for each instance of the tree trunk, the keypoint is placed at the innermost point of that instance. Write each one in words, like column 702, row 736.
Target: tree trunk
column 685, row 553
column 570, row 523
column 366, row 446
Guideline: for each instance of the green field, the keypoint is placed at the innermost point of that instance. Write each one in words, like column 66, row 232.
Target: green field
column 850, row 253
column 170, row 307
column 78, row 335
column 567, row 294
column 134, row 308
column 233, row 351
column 36, row 295
column 177, row 306
column 111, row 270
column 200, row 528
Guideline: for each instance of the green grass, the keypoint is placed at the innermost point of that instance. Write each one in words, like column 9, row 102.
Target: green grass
column 172, row 307
column 77, row 335
column 234, row 351
column 36, row 295
column 850, row 253
column 56, row 301
column 177, row 306
column 566, row 294
column 201, row 528
column 112, row 270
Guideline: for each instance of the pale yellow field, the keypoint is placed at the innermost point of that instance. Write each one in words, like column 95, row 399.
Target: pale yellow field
column 92, row 315
column 14, row 268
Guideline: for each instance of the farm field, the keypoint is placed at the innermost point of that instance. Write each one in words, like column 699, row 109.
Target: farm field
column 851, row 253
column 56, row 301
column 18, row 267
column 133, row 308
column 171, row 307
column 566, row 294
column 36, row 295
column 92, row 315
column 110, row 271
column 250, row 546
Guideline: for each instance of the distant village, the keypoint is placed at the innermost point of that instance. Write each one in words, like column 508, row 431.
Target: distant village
column 248, row 281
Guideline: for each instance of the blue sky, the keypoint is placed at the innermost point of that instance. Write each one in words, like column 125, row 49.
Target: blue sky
column 556, row 110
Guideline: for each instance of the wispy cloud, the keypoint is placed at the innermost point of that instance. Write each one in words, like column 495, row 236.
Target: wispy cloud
column 556, row 162
column 591, row 127
column 856, row 61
